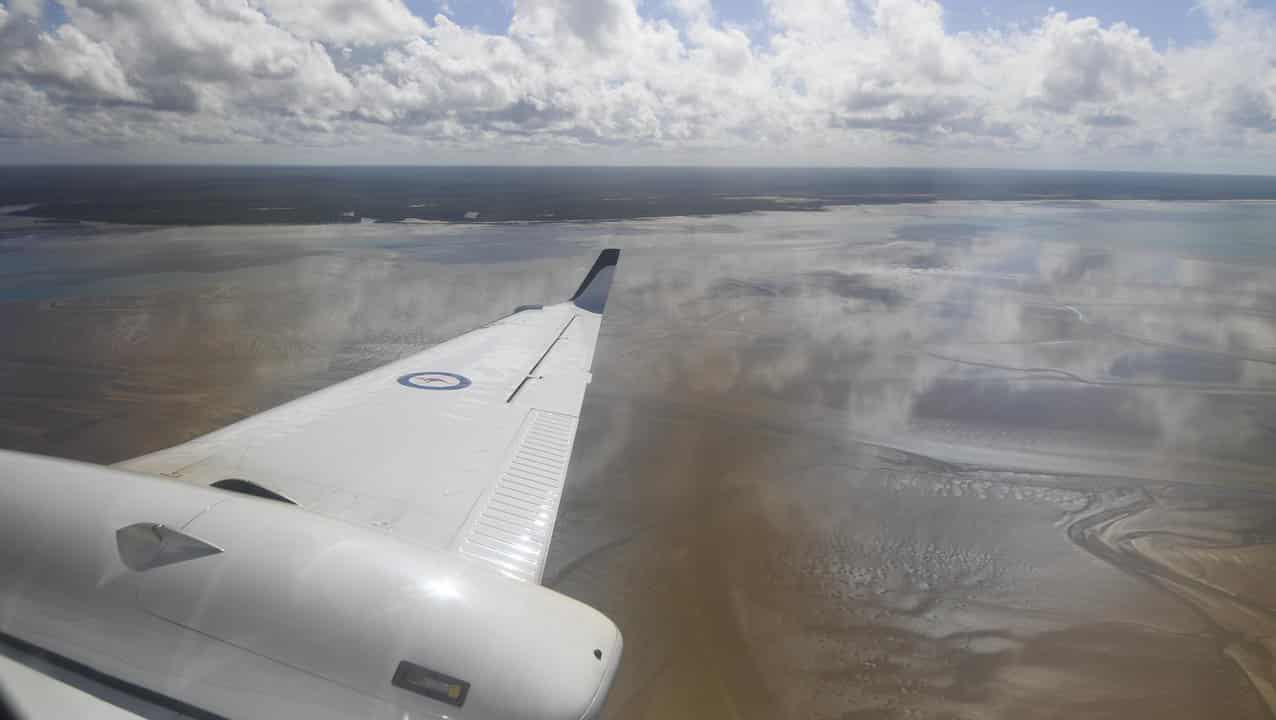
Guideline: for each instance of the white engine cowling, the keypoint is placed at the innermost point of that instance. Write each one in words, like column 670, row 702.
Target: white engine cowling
column 349, row 616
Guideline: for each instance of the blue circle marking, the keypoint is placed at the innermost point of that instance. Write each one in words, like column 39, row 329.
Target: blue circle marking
column 433, row 380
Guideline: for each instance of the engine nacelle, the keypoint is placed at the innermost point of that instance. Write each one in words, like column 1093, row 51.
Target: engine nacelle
column 280, row 602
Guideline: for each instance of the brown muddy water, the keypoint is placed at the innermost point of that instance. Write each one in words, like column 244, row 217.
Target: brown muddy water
column 955, row 460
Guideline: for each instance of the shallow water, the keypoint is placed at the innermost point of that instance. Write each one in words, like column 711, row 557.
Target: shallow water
column 956, row 460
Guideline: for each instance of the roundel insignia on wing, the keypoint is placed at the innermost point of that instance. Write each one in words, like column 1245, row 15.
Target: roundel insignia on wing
column 434, row 381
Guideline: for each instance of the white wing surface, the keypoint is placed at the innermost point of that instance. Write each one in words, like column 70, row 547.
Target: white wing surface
column 462, row 446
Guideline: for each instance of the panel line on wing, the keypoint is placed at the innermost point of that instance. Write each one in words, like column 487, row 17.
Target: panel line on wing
column 531, row 373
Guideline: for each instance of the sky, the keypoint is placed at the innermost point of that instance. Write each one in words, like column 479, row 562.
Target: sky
column 1169, row 85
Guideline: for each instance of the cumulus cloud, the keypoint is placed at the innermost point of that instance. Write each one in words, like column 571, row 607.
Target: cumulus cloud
column 600, row 25
column 219, row 56
column 66, row 57
column 447, row 73
column 1079, row 61
column 345, row 22
column 821, row 81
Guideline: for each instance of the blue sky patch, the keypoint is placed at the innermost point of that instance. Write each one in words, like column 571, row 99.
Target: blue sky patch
column 1165, row 22
column 490, row 16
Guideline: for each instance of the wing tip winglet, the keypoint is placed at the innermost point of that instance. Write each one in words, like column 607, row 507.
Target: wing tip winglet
column 592, row 294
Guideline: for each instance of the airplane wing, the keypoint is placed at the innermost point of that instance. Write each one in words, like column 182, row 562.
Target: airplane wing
column 463, row 446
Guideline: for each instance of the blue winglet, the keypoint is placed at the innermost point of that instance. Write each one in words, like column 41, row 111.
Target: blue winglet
column 593, row 291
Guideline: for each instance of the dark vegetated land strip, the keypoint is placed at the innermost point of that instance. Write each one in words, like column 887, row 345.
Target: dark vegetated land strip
column 204, row 195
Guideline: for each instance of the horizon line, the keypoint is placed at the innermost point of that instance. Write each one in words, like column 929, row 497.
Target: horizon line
column 472, row 166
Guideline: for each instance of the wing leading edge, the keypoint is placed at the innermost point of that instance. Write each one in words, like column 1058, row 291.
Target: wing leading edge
column 463, row 446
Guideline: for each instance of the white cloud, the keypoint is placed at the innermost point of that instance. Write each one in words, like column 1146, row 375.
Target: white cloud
column 449, row 72
column 829, row 81
column 345, row 22
column 600, row 25
column 811, row 18
column 1079, row 61
column 68, row 58
column 216, row 56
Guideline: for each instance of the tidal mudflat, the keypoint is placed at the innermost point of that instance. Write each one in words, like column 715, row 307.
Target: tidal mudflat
column 945, row 460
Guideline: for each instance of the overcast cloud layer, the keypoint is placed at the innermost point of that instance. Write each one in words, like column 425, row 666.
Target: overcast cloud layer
column 601, row 81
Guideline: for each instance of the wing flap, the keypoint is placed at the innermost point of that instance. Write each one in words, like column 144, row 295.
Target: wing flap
column 514, row 520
